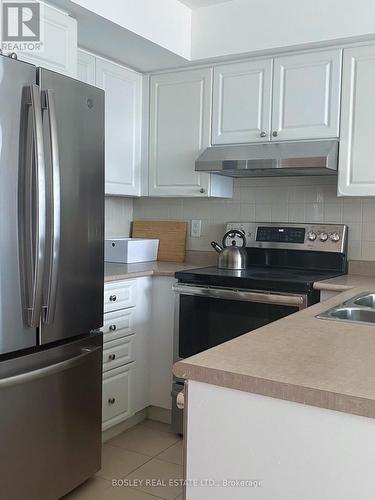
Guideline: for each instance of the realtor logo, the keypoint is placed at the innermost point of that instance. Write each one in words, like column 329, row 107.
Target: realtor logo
column 21, row 26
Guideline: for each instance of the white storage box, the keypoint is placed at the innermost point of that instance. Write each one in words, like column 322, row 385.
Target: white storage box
column 130, row 250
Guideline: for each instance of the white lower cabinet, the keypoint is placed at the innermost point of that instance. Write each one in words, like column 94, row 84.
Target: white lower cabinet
column 127, row 319
column 138, row 346
column 145, row 332
column 118, row 395
column 282, row 449
column 161, row 341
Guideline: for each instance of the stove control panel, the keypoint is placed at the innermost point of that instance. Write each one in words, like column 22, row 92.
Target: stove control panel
column 278, row 234
column 315, row 237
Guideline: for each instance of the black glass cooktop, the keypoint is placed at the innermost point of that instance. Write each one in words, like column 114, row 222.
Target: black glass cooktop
column 258, row 278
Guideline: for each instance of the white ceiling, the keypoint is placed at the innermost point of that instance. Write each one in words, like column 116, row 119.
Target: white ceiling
column 196, row 4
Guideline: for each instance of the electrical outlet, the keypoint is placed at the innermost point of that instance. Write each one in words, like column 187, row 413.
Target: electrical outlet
column 196, row 228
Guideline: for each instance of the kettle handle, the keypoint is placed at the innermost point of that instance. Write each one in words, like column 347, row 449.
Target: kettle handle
column 233, row 232
column 216, row 246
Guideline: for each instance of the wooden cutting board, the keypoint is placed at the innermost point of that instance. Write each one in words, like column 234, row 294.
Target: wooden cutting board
column 171, row 236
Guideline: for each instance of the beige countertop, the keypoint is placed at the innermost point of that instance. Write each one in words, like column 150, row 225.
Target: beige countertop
column 300, row 358
column 114, row 271
column 346, row 282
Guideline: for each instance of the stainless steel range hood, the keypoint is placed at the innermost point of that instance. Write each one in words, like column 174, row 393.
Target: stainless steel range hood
column 273, row 159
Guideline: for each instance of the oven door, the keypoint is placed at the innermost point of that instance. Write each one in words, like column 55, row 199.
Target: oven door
column 207, row 316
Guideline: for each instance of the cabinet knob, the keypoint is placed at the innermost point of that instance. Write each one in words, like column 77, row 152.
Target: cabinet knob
column 263, row 134
column 112, row 357
column 112, row 328
column 202, row 190
column 275, row 133
column 111, row 401
column 112, row 298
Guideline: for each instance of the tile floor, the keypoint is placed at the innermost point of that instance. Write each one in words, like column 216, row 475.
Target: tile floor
column 150, row 450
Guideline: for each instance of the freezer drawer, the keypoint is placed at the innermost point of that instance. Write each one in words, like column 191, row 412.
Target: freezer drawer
column 119, row 324
column 119, row 352
column 50, row 420
column 119, row 295
column 118, row 395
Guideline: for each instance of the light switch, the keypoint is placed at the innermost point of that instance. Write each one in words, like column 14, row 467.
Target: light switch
column 196, row 228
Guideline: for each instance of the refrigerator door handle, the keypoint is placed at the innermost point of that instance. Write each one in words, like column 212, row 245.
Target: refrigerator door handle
column 47, row 370
column 37, row 245
column 55, row 209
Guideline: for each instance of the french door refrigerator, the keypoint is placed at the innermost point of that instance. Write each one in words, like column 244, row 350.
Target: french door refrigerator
column 51, row 281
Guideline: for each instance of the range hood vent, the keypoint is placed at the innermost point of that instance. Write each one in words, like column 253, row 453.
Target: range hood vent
column 275, row 159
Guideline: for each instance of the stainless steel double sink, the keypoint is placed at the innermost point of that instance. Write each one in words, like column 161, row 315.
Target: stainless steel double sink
column 359, row 309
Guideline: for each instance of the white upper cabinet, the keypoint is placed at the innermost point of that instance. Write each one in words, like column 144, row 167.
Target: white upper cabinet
column 357, row 154
column 180, row 117
column 60, row 43
column 123, row 120
column 287, row 98
column 242, row 102
column 86, row 67
column 306, row 95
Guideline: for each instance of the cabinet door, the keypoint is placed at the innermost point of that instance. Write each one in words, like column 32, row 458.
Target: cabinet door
column 242, row 102
column 161, row 342
column 123, row 111
column 118, row 397
column 143, row 342
column 86, row 67
column 180, row 110
column 306, row 96
column 357, row 155
column 118, row 352
column 119, row 295
column 60, row 43
column 118, row 324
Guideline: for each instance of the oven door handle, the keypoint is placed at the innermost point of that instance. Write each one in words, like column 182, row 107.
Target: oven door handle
column 287, row 299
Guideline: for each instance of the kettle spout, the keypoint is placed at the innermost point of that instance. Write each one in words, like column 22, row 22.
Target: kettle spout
column 216, row 246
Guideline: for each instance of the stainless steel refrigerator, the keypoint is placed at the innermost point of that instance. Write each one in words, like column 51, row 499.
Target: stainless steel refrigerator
column 51, row 281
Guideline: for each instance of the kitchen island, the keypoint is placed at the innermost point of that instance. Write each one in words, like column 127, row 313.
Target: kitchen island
column 291, row 405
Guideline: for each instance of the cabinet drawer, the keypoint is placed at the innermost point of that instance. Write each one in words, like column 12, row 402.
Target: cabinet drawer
column 118, row 352
column 118, row 395
column 118, row 324
column 119, row 295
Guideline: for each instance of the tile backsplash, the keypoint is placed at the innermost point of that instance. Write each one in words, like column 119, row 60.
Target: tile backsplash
column 118, row 216
column 298, row 199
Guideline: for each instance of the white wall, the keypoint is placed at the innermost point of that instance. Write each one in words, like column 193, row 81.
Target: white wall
column 162, row 34
column 310, row 199
column 164, row 22
column 247, row 26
